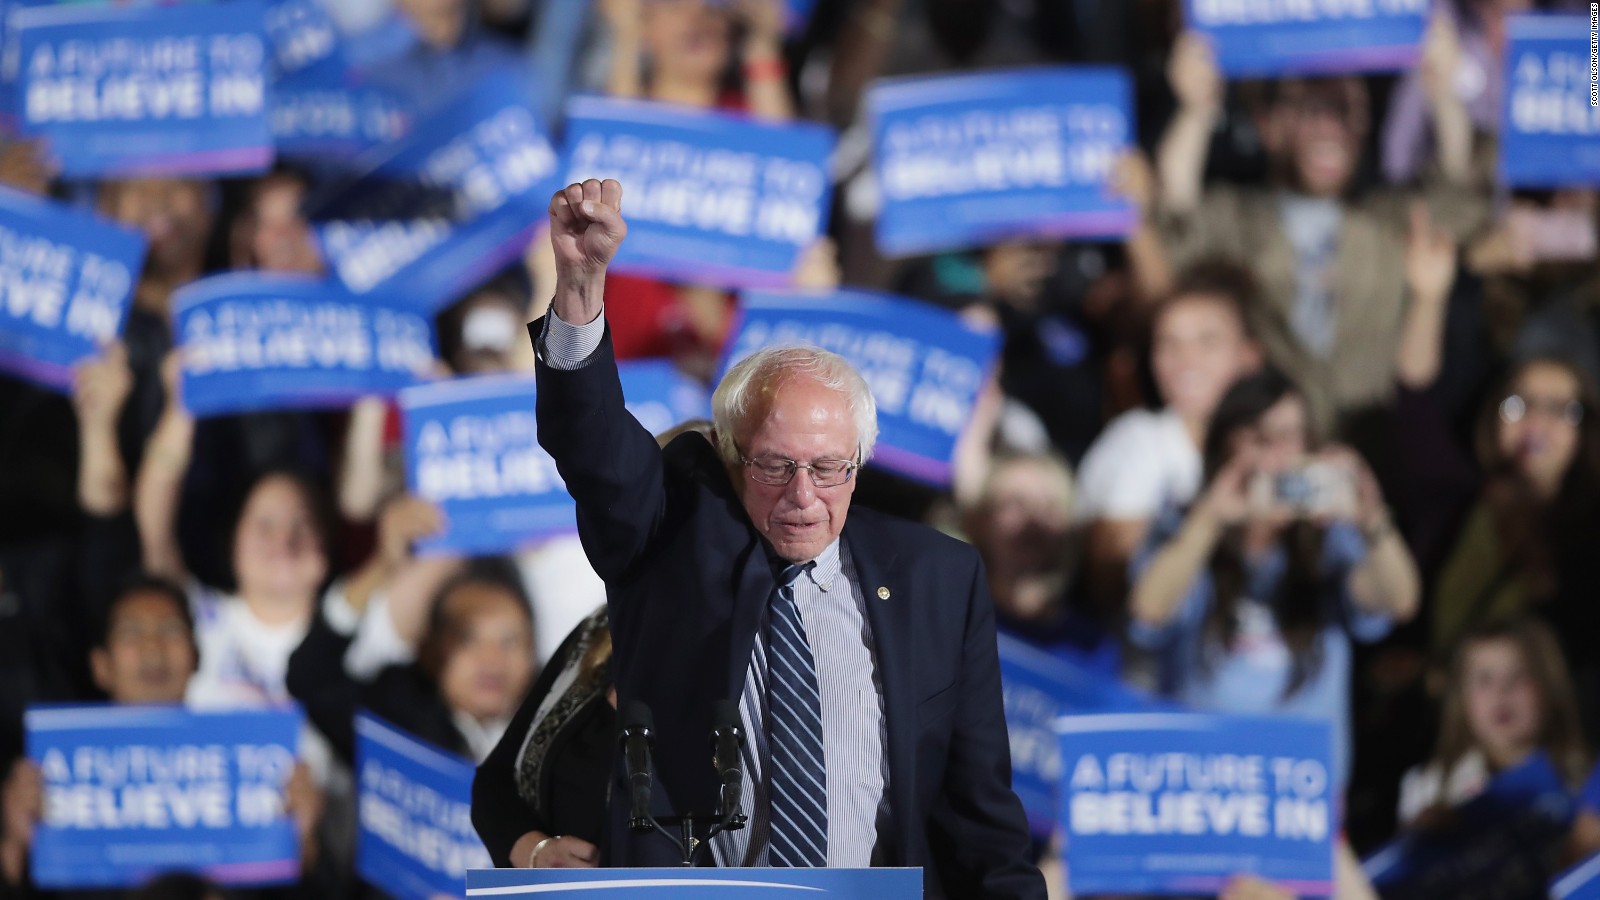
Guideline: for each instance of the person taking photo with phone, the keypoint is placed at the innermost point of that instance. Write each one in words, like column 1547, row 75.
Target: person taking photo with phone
column 1250, row 600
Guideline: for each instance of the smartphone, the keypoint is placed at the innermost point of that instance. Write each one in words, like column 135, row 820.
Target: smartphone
column 1320, row 489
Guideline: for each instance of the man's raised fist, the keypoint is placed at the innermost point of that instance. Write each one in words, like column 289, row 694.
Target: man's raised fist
column 586, row 227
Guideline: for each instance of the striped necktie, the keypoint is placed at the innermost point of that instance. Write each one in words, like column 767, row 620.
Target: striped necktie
column 794, row 733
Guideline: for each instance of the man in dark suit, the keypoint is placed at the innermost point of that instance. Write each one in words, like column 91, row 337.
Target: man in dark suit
column 859, row 648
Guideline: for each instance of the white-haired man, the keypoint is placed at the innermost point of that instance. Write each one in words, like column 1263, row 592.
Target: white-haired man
column 860, row 649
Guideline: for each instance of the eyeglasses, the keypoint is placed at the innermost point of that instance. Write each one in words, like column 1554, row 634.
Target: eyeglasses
column 777, row 470
column 1516, row 407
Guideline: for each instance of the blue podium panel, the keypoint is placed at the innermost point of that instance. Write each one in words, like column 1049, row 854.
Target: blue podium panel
column 697, row 884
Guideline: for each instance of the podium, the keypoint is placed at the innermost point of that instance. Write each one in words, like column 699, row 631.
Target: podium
column 697, row 884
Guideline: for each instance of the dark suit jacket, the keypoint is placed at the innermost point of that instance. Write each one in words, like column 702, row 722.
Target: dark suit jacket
column 687, row 578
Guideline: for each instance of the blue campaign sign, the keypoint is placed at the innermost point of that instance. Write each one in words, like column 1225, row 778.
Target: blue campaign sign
column 1270, row 37
column 1498, row 844
column 1581, row 882
column 698, row 883
column 925, row 365
column 320, row 113
column 302, row 34
column 449, row 205
column 471, row 446
column 1179, row 803
column 1039, row 689
column 252, row 342
column 132, row 792
column 711, row 198
column 1549, row 124
column 120, row 91
column 660, row 396
column 966, row 160
column 66, row 281
column 416, row 839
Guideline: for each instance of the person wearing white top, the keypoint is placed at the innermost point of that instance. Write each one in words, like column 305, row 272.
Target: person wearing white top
column 1202, row 340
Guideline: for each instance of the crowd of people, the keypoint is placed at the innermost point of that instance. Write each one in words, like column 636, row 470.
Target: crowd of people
column 1320, row 436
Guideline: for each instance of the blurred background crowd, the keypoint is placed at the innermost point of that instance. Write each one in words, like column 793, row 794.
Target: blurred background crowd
column 1326, row 288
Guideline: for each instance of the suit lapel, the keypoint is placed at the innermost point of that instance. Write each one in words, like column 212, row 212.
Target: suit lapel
column 752, row 587
column 885, row 590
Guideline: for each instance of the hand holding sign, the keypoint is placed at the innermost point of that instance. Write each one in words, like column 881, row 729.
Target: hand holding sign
column 100, row 386
column 1192, row 71
column 22, row 797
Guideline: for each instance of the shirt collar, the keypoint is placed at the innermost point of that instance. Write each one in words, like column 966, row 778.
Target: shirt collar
column 827, row 566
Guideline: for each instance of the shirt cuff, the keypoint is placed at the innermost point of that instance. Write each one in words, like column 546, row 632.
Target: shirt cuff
column 377, row 645
column 566, row 346
column 337, row 611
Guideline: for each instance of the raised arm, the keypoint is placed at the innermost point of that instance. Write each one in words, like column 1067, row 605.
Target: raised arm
column 361, row 468
column 766, row 87
column 160, row 483
column 1181, row 158
column 610, row 463
column 624, row 23
column 100, row 386
column 1159, row 590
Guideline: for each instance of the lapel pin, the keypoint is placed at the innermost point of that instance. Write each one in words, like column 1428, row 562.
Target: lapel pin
column 883, row 593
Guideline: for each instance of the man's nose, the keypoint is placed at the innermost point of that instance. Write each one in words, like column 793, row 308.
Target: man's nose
column 801, row 490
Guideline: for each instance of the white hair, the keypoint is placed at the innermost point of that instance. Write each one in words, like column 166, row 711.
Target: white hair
column 742, row 390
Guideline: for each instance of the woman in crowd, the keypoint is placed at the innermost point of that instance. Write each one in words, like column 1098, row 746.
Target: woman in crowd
column 1514, row 529
column 280, row 562
column 1021, row 525
column 1206, row 334
column 1508, row 698
column 1252, row 598
column 473, row 659
column 539, row 799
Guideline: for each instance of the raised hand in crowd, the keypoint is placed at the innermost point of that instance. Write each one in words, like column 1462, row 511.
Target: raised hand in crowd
column 765, row 75
column 1134, row 179
column 160, row 480
column 1224, row 504
column 409, row 582
column 624, row 21
column 100, row 387
column 362, row 467
column 1430, row 273
column 817, row 269
column 303, row 801
column 1181, row 158
column 22, row 802
column 1452, row 124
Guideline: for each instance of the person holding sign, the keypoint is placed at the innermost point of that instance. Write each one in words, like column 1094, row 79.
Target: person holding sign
column 1251, row 599
column 1509, row 698
column 876, row 672
column 145, row 654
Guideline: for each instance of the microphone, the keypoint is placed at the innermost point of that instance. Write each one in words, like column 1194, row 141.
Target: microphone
column 635, row 738
column 727, row 739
